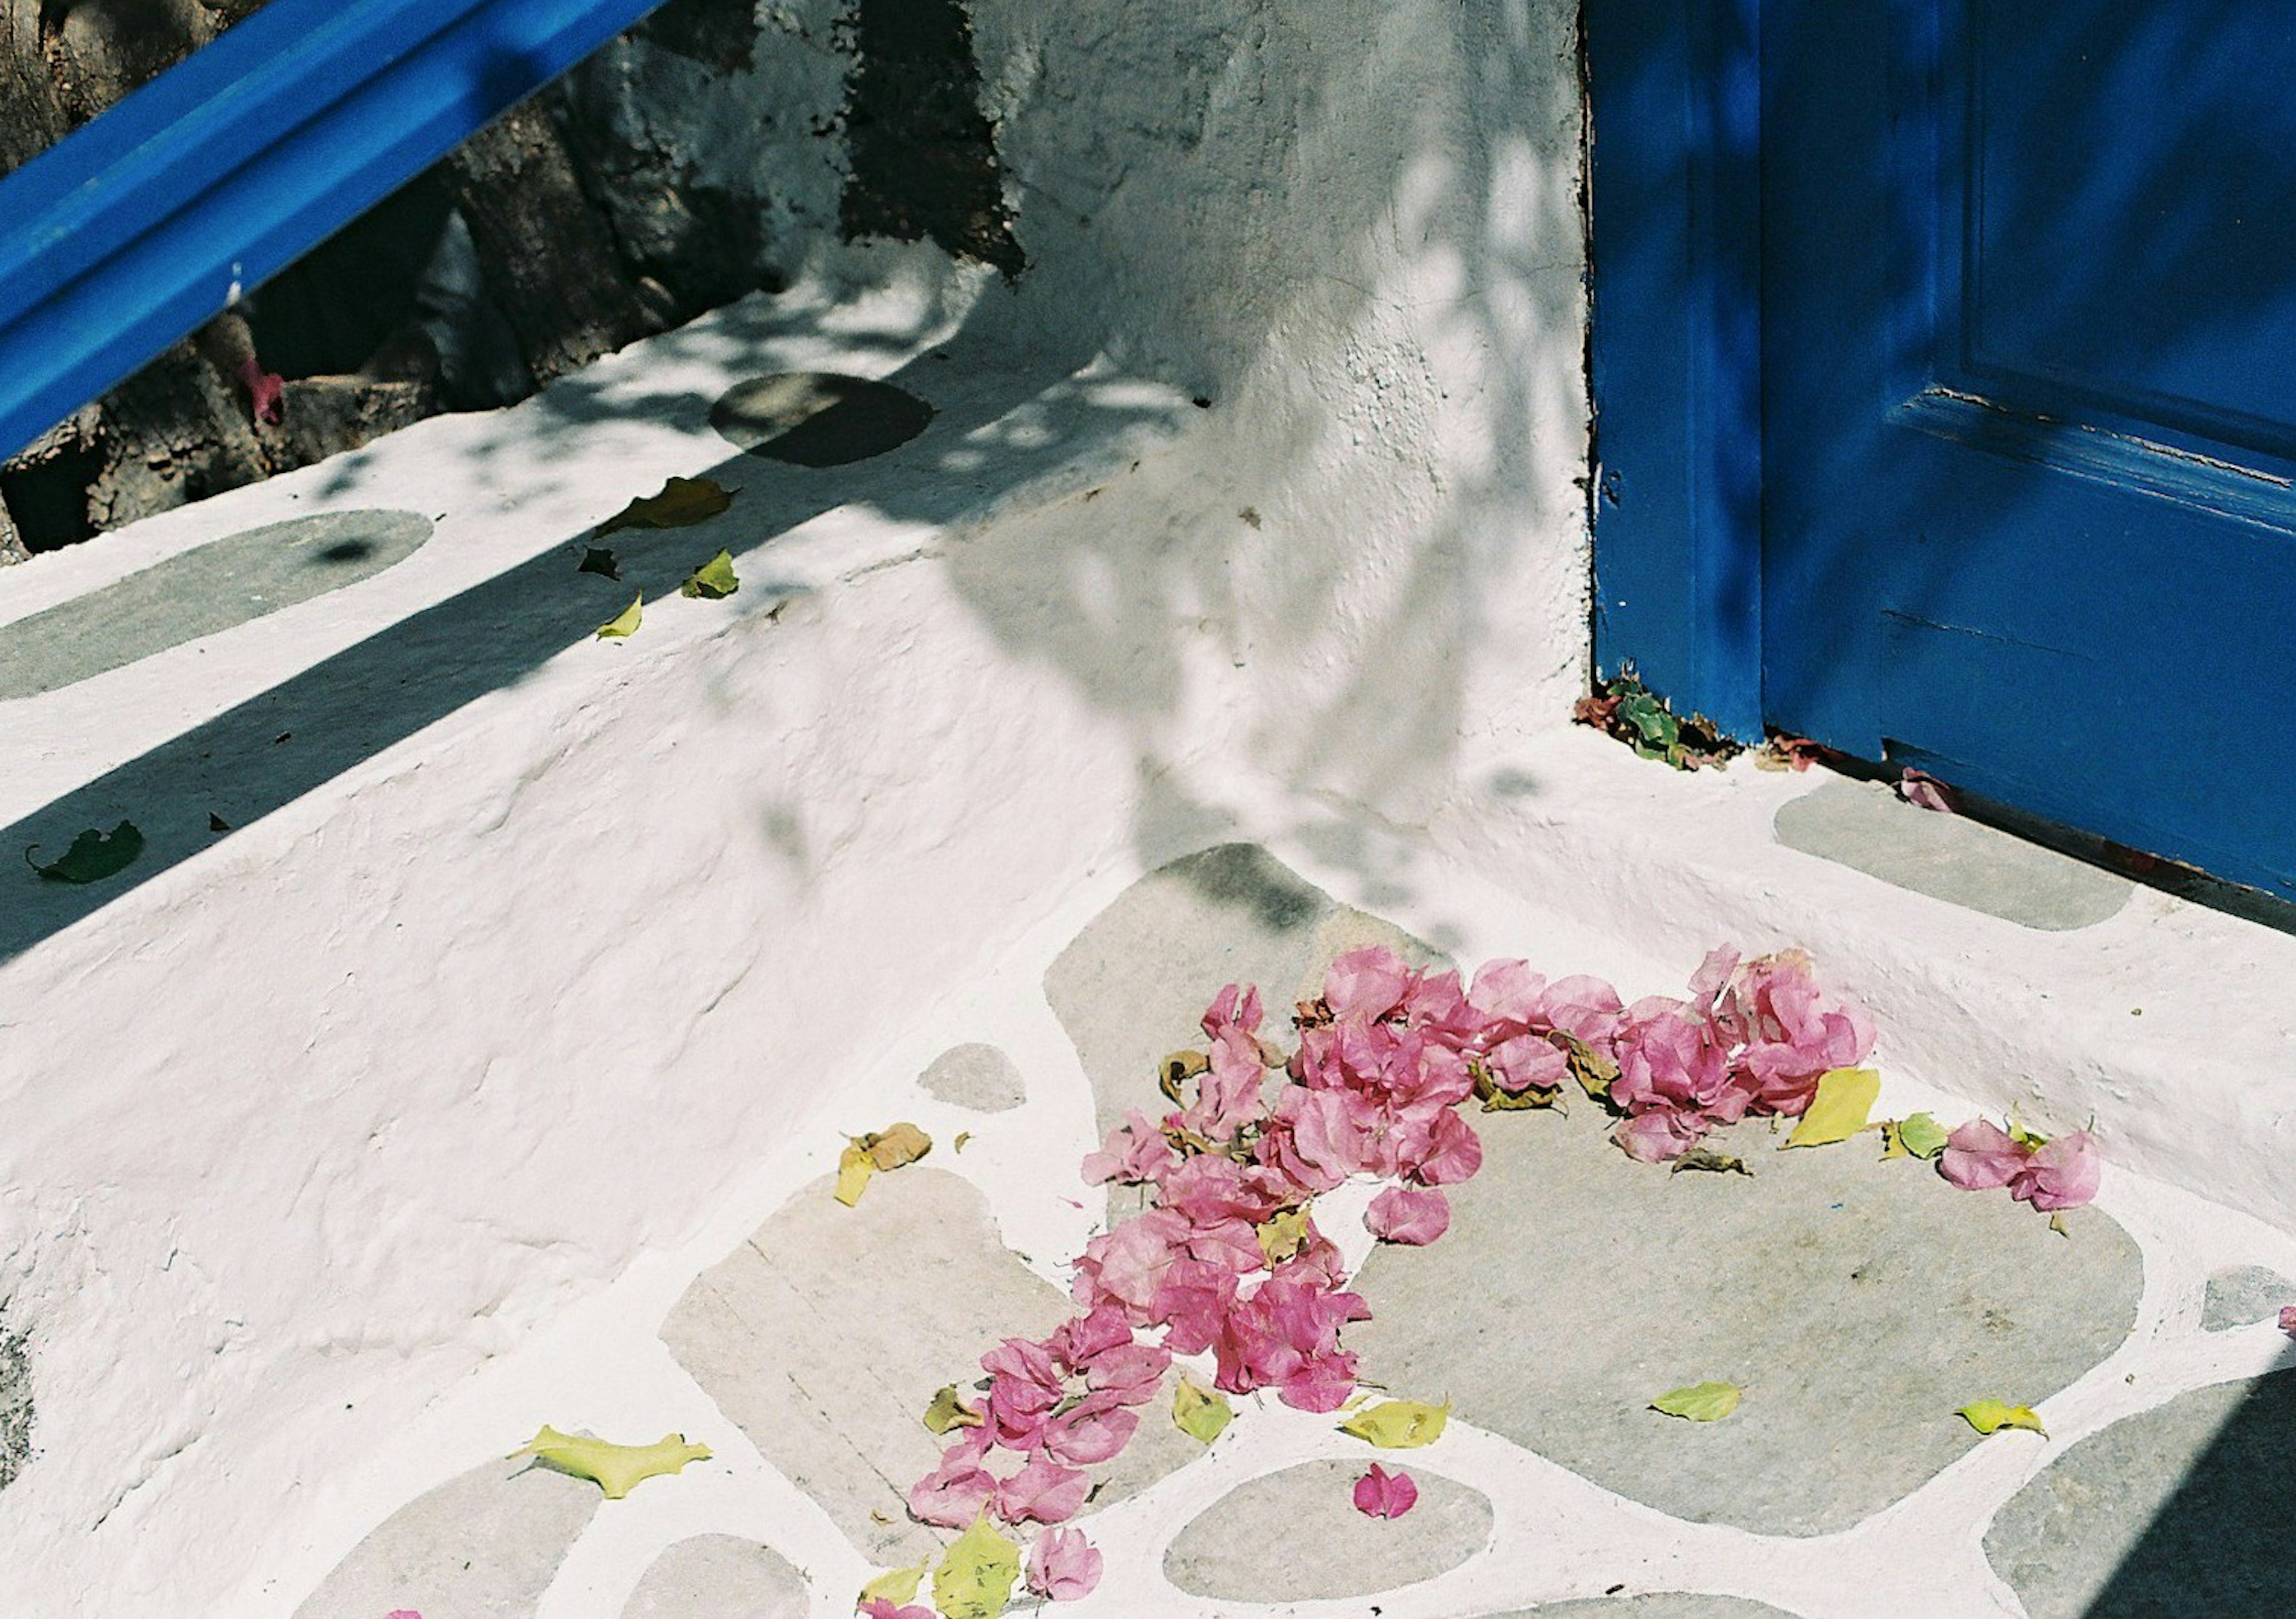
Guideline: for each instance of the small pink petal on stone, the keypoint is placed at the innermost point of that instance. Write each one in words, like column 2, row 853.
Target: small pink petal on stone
column 1380, row 1493
column 2061, row 1174
column 1980, row 1156
column 2288, row 1320
column 1407, row 1215
column 1926, row 792
column 1062, row 1565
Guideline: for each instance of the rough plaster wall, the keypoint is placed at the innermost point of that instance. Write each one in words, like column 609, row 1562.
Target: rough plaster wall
column 1353, row 224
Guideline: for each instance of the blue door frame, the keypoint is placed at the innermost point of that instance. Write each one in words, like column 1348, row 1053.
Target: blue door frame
column 153, row 218
column 1676, row 92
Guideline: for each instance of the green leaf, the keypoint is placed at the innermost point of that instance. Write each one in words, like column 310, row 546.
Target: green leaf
column 1991, row 1416
column 1845, row 1096
column 1921, row 1136
column 1399, row 1424
column 93, row 857
column 1700, row 1401
column 598, row 560
column 625, row 622
column 895, row 1585
column 615, row 1469
column 975, row 1579
column 948, row 1412
column 683, row 502
column 713, row 581
column 1200, row 1415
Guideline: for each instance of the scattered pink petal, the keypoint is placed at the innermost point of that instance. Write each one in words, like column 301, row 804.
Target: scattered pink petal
column 1043, row 1491
column 1134, row 1151
column 266, row 398
column 1380, row 1493
column 2061, row 1173
column 402, row 1613
column 2288, row 1320
column 1408, row 1216
column 878, row 1607
column 1366, row 984
column 952, row 1494
column 1924, row 791
column 1979, row 1155
column 1062, row 1565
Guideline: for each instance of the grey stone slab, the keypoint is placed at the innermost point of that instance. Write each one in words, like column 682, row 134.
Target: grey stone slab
column 1135, row 983
column 483, row 1546
column 2243, row 1295
column 1295, row 1536
column 15, row 1404
column 1856, row 1303
column 203, row 592
column 1655, row 1605
column 827, row 1334
column 2183, row 1510
column 1864, row 825
column 720, row 1577
column 980, row 1077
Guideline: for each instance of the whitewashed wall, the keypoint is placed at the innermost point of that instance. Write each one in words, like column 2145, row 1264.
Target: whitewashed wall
column 298, row 1134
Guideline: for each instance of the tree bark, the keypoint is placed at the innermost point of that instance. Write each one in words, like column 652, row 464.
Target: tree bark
column 548, row 257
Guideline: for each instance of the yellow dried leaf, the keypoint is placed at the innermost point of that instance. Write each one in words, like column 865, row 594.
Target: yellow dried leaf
column 712, row 581
column 896, row 1145
column 1700, row 1401
column 853, row 1171
column 1399, row 1424
column 1176, row 1069
column 1845, row 1096
column 1282, row 1235
column 615, row 1469
column 948, row 1412
column 1198, row 1413
column 683, row 501
column 1595, row 1071
column 1991, row 1416
column 976, row 1577
column 963, row 1136
column 895, row 1585
column 625, row 622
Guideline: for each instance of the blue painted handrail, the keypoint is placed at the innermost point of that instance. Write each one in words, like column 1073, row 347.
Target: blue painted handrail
column 136, row 229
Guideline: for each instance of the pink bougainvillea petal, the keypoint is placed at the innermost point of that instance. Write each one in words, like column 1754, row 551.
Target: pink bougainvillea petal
column 2061, row 1174
column 1043, row 1491
column 266, row 391
column 1062, row 1565
column 1409, row 1215
column 875, row 1608
column 2288, row 1320
column 1366, row 984
column 1507, row 992
column 1380, row 1493
column 1979, row 1155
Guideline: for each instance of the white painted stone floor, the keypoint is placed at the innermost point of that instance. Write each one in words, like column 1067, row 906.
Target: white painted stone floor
column 1858, row 1302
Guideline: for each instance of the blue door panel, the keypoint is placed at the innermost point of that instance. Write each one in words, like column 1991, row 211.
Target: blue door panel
column 2028, row 372
column 2128, row 187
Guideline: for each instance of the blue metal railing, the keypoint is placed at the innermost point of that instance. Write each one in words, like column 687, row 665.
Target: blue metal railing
column 135, row 230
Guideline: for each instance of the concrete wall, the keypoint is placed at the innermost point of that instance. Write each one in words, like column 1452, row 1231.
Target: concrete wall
column 323, row 1117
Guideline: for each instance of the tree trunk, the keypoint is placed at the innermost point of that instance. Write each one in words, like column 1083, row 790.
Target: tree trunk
column 548, row 257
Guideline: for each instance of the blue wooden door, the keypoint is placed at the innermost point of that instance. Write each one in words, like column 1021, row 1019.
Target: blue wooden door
column 2027, row 304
